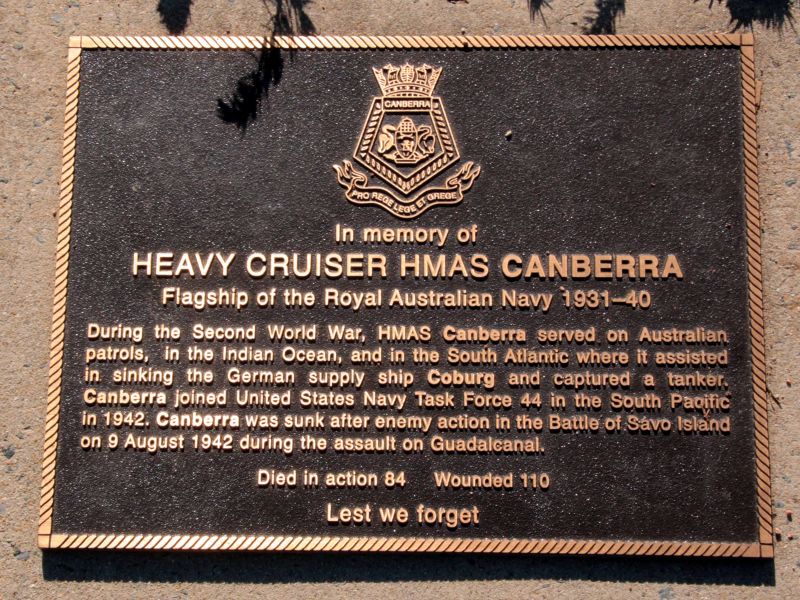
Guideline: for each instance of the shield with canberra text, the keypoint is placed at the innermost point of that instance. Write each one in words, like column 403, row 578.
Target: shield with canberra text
column 405, row 143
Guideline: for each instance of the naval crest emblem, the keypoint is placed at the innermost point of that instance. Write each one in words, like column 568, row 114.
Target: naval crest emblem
column 405, row 144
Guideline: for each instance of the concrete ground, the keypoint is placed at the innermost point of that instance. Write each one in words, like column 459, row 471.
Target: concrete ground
column 33, row 48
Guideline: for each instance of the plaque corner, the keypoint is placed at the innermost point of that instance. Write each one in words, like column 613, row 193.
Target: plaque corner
column 44, row 541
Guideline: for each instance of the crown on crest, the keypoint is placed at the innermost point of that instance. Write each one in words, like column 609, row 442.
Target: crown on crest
column 407, row 80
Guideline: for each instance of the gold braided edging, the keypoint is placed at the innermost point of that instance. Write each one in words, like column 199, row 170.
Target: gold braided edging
column 59, row 296
column 398, row 544
column 755, row 293
column 762, row 548
column 409, row 42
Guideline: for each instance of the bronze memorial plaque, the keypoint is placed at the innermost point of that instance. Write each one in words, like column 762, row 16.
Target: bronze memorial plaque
column 447, row 294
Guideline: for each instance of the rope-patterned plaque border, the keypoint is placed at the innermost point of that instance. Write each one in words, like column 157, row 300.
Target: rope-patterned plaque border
column 762, row 548
column 392, row 42
column 59, row 297
column 755, row 294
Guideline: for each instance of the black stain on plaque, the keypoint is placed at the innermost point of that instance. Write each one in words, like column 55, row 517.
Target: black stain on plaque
column 245, row 103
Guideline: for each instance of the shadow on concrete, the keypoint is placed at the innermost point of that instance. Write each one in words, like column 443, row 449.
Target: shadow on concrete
column 175, row 14
column 772, row 14
column 242, row 107
column 536, row 9
column 319, row 568
column 604, row 19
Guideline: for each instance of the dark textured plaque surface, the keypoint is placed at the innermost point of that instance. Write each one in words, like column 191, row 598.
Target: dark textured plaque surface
column 634, row 150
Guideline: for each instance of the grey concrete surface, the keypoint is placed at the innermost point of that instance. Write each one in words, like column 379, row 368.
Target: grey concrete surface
column 33, row 42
